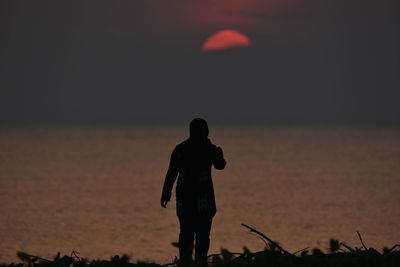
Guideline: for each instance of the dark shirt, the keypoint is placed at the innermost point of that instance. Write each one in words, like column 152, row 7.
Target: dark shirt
column 191, row 161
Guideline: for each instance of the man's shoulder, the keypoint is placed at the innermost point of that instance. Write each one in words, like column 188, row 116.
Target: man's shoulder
column 181, row 146
column 186, row 144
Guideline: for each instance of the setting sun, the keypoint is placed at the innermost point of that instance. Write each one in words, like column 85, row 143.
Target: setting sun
column 226, row 39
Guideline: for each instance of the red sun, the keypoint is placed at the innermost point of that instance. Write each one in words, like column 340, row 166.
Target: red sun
column 226, row 39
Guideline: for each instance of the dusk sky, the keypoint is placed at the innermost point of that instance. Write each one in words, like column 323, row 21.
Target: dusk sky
column 333, row 61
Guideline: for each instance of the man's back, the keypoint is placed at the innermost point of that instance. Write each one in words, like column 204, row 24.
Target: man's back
column 194, row 191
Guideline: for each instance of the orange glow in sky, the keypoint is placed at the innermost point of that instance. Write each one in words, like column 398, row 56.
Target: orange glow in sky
column 226, row 39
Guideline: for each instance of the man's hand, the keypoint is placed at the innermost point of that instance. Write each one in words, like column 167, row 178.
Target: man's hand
column 165, row 199
column 164, row 203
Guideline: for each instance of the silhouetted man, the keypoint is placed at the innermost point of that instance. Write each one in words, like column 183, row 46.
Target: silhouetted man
column 195, row 202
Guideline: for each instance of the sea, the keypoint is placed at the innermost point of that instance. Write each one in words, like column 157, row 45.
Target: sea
column 95, row 188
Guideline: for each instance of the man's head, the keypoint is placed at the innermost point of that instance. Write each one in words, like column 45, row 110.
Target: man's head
column 198, row 128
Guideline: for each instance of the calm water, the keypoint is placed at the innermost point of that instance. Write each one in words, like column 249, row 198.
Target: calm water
column 96, row 188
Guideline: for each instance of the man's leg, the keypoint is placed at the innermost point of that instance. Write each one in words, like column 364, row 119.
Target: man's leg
column 186, row 238
column 202, row 230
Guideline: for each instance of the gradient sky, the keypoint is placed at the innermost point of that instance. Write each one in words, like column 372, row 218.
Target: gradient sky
column 141, row 61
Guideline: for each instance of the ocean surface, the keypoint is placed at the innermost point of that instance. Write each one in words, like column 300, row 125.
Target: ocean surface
column 96, row 189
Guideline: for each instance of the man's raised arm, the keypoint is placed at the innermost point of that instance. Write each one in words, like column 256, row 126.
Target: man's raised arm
column 219, row 161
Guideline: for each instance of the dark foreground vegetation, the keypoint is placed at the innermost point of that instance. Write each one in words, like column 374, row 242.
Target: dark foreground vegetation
column 340, row 254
